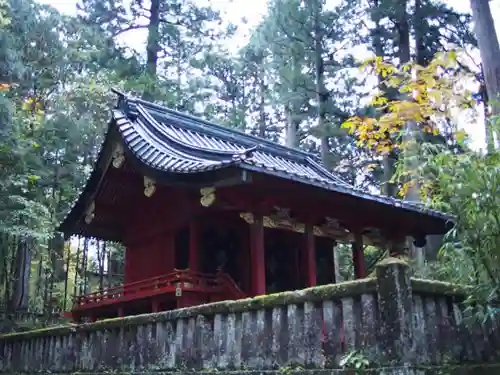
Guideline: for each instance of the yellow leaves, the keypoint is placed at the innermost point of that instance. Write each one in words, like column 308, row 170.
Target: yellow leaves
column 33, row 109
column 452, row 55
column 460, row 136
column 430, row 129
column 370, row 167
column 372, row 133
column 352, row 124
column 380, row 67
column 426, row 95
column 405, row 188
column 33, row 105
column 379, row 101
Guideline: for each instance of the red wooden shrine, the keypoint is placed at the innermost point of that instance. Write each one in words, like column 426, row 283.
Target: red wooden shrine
column 208, row 214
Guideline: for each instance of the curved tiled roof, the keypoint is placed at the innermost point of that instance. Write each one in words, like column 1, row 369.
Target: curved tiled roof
column 172, row 142
column 169, row 141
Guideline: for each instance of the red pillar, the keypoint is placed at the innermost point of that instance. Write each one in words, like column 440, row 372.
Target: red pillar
column 244, row 249
column 309, row 251
column 194, row 230
column 258, row 266
column 358, row 257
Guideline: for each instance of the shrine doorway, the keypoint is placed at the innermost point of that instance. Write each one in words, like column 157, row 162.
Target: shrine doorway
column 220, row 250
column 282, row 249
column 325, row 261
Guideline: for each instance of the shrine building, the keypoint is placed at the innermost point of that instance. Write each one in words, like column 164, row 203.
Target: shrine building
column 207, row 213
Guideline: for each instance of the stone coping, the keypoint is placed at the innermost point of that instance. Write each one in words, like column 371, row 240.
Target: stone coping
column 441, row 288
column 445, row 369
column 426, row 286
column 315, row 294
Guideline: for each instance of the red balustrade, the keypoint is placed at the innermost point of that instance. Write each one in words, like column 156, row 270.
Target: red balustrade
column 185, row 280
column 225, row 280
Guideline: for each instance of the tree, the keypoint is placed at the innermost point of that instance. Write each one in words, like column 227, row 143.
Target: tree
column 307, row 50
column 434, row 97
column 175, row 31
column 433, row 27
column 45, row 154
column 484, row 28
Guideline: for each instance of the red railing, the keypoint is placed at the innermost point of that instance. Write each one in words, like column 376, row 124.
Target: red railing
column 184, row 280
column 224, row 279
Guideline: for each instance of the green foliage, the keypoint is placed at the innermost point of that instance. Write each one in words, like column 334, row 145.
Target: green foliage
column 468, row 185
column 356, row 361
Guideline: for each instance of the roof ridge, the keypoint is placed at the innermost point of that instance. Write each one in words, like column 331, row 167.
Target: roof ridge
column 145, row 129
column 222, row 153
column 220, row 130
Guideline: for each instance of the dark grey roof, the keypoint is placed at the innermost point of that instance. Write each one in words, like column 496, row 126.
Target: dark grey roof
column 170, row 141
column 174, row 142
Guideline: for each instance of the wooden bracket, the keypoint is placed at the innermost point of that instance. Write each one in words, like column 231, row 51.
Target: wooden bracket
column 118, row 157
column 207, row 196
column 149, row 187
column 90, row 213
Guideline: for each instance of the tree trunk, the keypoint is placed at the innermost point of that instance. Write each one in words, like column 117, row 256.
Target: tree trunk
column 337, row 267
column 39, row 277
column 292, row 109
column 400, row 18
column 262, row 101
column 420, row 56
column 389, row 160
column 19, row 298
column 101, row 257
column 291, row 128
column 68, row 263
column 76, row 290
column 152, row 48
column 484, row 29
column 109, row 263
column 321, row 92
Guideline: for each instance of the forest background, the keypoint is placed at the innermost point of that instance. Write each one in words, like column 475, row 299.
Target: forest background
column 298, row 76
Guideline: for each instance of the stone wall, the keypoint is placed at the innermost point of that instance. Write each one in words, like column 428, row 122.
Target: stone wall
column 391, row 320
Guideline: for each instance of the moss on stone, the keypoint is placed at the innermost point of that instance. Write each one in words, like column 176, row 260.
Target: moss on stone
column 465, row 369
column 62, row 329
column 386, row 262
column 439, row 288
column 314, row 294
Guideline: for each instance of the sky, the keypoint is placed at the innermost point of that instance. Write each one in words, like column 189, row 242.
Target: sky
column 253, row 11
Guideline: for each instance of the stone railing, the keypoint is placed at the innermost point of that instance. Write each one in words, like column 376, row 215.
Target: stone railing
column 390, row 319
column 26, row 320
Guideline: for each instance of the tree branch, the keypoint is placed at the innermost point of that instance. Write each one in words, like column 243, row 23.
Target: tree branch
column 129, row 28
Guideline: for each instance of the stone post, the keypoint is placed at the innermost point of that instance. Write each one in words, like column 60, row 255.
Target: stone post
column 395, row 313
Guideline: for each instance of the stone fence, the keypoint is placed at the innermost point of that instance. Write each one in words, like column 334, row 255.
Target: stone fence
column 391, row 320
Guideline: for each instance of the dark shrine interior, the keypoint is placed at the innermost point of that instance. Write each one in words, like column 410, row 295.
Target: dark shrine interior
column 225, row 248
